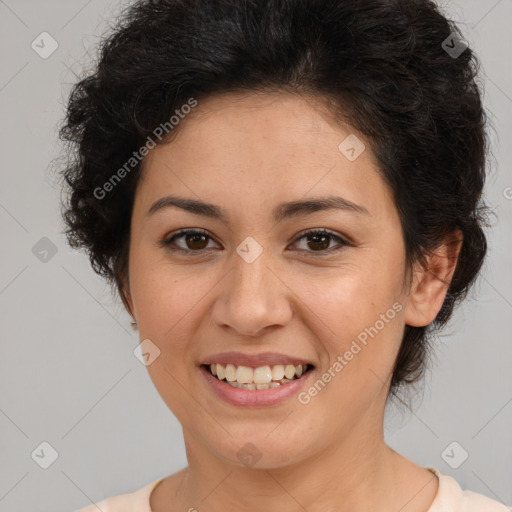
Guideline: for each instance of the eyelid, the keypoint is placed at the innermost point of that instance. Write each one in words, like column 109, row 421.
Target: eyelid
column 342, row 241
column 166, row 241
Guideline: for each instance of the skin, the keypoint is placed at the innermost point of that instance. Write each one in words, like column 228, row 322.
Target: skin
column 246, row 153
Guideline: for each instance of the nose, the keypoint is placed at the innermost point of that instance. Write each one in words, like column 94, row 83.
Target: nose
column 252, row 299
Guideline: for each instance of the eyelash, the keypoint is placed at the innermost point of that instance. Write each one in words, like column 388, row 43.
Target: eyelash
column 166, row 242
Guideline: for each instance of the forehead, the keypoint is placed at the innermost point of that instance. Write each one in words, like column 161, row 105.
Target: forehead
column 255, row 149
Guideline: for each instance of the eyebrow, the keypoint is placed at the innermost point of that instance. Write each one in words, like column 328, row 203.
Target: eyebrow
column 280, row 212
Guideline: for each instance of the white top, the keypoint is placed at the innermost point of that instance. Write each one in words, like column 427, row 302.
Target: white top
column 449, row 498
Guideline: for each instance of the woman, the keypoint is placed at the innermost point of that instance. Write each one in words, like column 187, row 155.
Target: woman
column 287, row 196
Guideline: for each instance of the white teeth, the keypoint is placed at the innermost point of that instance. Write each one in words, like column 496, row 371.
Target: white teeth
column 263, row 377
column 272, row 384
column 230, row 372
column 244, row 374
column 289, row 371
column 277, row 372
column 221, row 372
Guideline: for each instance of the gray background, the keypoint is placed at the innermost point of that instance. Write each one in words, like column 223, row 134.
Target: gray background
column 68, row 376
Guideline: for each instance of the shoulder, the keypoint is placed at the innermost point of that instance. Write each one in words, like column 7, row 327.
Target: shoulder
column 136, row 501
column 451, row 498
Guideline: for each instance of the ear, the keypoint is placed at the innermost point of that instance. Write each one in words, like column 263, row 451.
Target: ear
column 127, row 298
column 431, row 283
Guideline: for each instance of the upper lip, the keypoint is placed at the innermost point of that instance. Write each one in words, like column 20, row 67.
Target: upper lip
column 254, row 360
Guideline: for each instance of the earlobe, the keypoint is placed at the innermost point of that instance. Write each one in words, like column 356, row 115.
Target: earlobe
column 430, row 284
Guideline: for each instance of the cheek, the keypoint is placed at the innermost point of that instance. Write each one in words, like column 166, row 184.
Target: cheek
column 360, row 349
column 167, row 300
column 348, row 300
column 163, row 293
column 170, row 301
column 361, row 321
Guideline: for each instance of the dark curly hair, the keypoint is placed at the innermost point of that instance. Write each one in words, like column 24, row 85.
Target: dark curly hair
column 384, row 67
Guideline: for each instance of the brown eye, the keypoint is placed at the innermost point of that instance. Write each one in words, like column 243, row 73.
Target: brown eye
column 320, row 240
column 193, row 240
column 196, row 241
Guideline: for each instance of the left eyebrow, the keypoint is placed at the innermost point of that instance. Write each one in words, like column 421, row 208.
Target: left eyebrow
column 279, row 213
column 295, row 208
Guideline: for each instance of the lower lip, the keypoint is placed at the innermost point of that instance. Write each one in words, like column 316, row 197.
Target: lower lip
column 254, row 397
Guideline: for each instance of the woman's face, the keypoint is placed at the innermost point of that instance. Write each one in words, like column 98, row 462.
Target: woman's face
column 259, row 284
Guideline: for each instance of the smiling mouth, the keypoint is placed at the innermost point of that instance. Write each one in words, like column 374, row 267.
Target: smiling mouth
column 262, row 377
